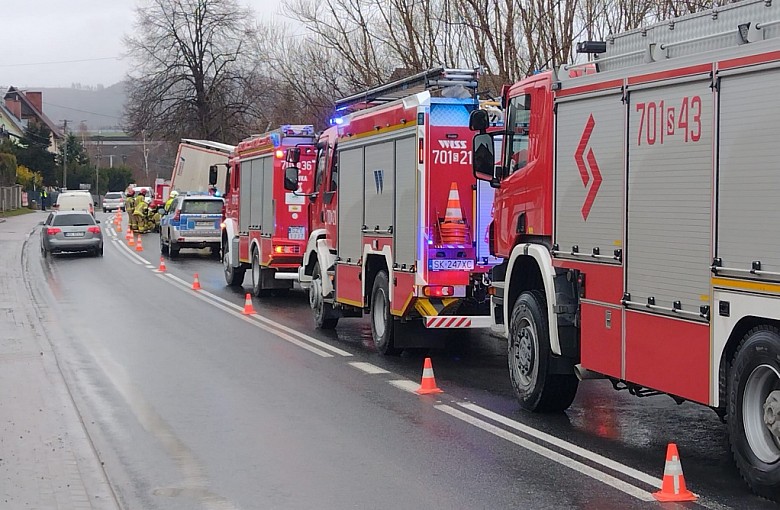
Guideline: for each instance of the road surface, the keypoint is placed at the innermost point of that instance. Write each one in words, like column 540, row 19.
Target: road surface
column 190, row 404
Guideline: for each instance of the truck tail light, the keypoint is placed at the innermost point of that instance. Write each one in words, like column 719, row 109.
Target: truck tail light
column 286, row 249
column 279, row 154
column 438, row 290
column 52, row 231
column 93, row 230
column 421, row 151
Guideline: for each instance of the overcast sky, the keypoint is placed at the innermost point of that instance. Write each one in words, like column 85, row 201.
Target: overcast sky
column 37, row 33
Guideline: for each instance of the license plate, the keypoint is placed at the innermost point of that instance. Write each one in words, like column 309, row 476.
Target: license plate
column 204, row 224
column 451, row 264
column 296, row 233
column 74, row 234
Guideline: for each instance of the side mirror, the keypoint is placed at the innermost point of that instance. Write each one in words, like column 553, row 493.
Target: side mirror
column 484, row 160
column 293, row 156
column 40, row 223
column 291, row 178
column 213, row 174
column 479, row 120
column 97, row 221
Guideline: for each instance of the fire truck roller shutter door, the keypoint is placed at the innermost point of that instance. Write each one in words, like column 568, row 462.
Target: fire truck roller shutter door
column 268, row 197
column 246, row 197
column 748, row 182
column 405, row 230
column 350, row 218
column 379, row 185
column 670, row 194
column 257, row 193
column 590, row 182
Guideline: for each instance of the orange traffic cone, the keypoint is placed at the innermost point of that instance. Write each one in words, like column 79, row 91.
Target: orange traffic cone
column 119, row 226
column 162, row 267
column 129, row 234
column 139, row 246
column 131, row 240
column 673, row 486
column 428, row 384
column 453, row 228
column 249, row 309
column 196, row 282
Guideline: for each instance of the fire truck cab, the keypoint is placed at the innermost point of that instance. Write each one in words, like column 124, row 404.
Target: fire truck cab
column 266, row 227
column 636, row 209
column 394, row 212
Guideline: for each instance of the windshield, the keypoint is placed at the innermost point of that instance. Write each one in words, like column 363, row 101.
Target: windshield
column 73, row 220
column 113, row 195
column 518, row 124
column 202, row 207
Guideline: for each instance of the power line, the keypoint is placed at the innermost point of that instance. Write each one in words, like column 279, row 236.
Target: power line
column 23, row 64
column 83, row 111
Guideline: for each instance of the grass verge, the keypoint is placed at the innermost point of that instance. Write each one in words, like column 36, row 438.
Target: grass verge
column 16, row 212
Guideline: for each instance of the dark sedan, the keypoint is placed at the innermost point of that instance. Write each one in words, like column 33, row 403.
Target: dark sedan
column 69, row 231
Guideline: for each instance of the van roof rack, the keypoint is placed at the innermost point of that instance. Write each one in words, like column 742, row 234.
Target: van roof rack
column 433, row 80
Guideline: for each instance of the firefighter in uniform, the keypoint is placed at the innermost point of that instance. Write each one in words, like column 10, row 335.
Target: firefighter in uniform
column 130, row 209
column 170, row 200
column 139, row 212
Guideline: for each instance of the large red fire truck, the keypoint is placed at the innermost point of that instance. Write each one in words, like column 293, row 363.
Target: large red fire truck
column 394, row 212
column 266, row 227
column 634, row 208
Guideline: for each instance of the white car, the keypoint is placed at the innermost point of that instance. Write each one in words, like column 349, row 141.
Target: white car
column 75, row 201
column 114, row 200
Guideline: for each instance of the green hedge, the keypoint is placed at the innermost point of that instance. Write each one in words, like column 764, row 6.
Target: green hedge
column 7, row 169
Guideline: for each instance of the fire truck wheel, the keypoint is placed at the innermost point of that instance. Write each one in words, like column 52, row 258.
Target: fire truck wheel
column 529, row 355
column 381, row 321
column 234, row 276
column 324, row 316
column 754, row 410
column 257, row 276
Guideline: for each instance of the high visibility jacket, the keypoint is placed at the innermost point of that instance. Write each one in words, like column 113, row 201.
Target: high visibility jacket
column 130, row 204
column 140, row 207
column 168, row 204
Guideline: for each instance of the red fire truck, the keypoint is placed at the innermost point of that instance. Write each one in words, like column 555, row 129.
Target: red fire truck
column 266, row 228
column 393, row 212
column 634, row 210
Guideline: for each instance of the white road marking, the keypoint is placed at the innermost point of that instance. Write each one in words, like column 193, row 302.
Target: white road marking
column 270, row 322
column 368, row 367
column 149, row 266
column 248, row 320
column 405, row 384
column 549, row 454
column 564, row 445
column 133, row 253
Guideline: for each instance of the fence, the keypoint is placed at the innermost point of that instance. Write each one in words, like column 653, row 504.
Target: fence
column 10, row 198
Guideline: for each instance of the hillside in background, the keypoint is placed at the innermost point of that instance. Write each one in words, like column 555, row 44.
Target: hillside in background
column 100, row 107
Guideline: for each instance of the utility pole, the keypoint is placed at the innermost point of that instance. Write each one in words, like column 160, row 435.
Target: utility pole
column 146, row 155
column 65, row 155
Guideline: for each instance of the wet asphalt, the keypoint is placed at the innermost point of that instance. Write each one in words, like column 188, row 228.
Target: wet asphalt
column 191, row 406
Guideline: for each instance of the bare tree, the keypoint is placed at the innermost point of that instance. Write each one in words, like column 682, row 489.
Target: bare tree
column 189, row 79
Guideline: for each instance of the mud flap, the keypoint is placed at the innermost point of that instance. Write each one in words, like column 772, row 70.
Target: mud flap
column 412, row 334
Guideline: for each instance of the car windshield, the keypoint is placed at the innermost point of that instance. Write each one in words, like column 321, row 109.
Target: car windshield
column 113, row 195
column 73, row 220
column 202, row 207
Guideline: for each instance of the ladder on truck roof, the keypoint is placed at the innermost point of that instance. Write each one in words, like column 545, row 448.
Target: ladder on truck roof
column 718, row 28
column 433, row 80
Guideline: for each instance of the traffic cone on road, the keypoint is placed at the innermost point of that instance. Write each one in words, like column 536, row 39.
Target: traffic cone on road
column 131, row 241
column 249, row 309
column 428, row 384
column 196, row 282
column 673, row 485
column 129, row 234
column 162, row 267
column 453, row 228
column 138, row 245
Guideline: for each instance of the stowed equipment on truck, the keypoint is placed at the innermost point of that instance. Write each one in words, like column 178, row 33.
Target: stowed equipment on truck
column 393, row 211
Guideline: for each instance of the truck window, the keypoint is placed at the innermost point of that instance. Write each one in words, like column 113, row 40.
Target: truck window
column 322, row 160
column 518, row 127
column 334, row 171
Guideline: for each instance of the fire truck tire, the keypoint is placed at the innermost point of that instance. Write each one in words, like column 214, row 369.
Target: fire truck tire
column 754, row 410
column 381, row 321
column 234, row 276
column 257, row 277
column 324, row 316
column 529, row 355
